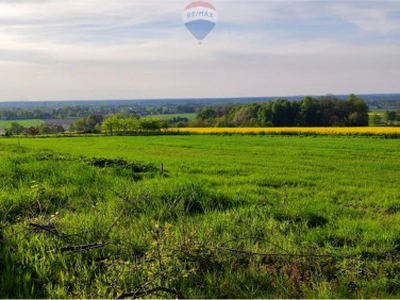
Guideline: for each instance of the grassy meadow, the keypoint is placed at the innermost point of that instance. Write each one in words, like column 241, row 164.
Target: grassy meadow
column 231, row 217
column 188, row 116
column 25, row 123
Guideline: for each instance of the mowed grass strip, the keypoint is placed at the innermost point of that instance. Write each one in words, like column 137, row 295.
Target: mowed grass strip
column 289, row 195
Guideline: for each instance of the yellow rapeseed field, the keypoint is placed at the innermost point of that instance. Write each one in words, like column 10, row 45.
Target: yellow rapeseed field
column 390, row 131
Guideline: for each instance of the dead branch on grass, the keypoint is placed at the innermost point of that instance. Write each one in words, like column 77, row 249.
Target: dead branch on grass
column 174, row 291
column 80, row 248
column 51, row 229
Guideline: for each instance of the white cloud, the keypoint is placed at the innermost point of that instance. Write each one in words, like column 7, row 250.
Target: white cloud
column 87, row 49
column 371, row 17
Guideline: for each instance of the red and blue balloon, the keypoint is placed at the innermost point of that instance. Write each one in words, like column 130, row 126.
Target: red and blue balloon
column 200, row 18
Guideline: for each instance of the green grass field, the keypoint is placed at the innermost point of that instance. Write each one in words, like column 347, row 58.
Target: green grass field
column 381, row 110
column 25, row 123
column 190, row 117
column 231, row 217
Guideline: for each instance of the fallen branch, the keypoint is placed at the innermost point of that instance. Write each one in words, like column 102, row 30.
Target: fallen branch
column 50, row 229
column 144, row 286
column 56, row 232
column 176, row 292
column 281, row 254
column 83, row 247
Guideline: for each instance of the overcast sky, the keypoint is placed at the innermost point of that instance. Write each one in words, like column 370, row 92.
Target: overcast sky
column 132, row 49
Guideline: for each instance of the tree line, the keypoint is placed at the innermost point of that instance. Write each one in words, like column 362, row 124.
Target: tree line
column 388, row 118
column 18, row 129
column 324, row 111
column 80, row 111
column 114, row 124
column 118, row 123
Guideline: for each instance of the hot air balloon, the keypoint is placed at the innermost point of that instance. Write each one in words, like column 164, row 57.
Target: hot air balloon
column 200, row 17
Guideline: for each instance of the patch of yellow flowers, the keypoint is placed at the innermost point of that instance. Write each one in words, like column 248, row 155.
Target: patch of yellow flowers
column 298, row 130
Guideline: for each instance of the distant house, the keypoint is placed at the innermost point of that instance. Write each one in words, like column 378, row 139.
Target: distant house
column 2, row 131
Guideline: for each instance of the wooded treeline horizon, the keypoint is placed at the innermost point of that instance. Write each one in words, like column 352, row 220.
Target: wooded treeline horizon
column 78, row 109
column 324, row 111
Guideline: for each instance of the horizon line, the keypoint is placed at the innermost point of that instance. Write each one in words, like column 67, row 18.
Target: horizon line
column 196, row 98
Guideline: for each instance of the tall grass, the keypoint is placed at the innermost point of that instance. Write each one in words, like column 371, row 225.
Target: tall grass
column 329, row 206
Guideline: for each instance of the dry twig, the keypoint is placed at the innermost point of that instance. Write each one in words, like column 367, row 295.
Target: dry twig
column 79, row 248
column 50, row 229
column 174, row 291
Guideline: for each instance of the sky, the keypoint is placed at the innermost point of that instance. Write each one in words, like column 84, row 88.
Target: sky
column 140, row 49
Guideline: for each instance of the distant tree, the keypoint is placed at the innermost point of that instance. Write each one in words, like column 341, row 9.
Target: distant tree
column 390, row 116
column 283, row 114
column 32, row 131
column 132, row 124
column 89, row 124
column 45, row 129
column 79, row 125
column 341, row 113
column 309, row 114
column 15, row 128
column 376, row 119
column 93, row 120
column 150, row 124
column 198, row 123
column 265, row 114
column 326, row 111
column 243, row 116
column 207, row 113
column 223, row 121
column 181, row 124
column 358, row 111
column 110, row 124
column 164, row 124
